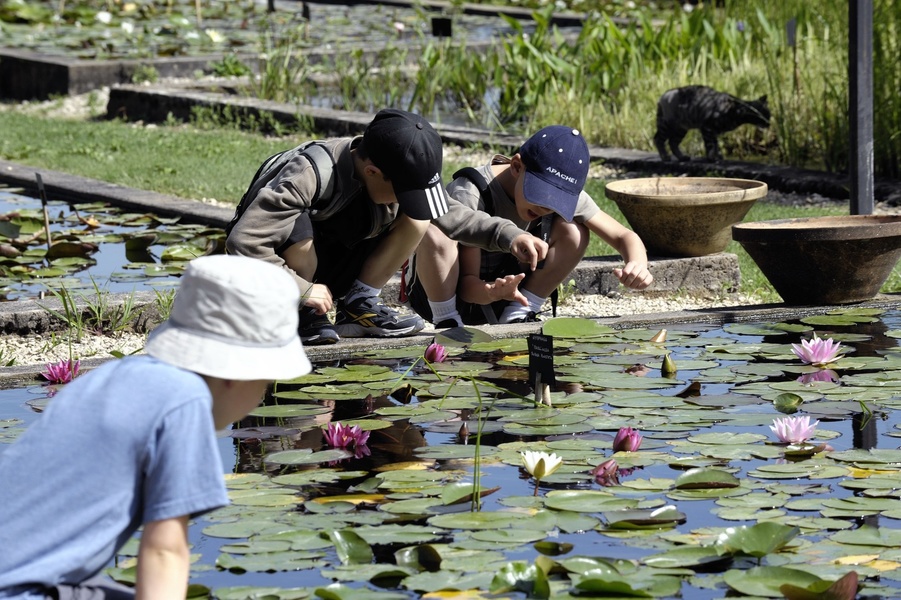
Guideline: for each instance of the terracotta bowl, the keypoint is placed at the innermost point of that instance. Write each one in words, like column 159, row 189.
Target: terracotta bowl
column 824, row 260
column 685, row 216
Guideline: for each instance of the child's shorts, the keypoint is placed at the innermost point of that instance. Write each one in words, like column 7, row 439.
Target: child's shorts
column 340, row 242
column 472, row 314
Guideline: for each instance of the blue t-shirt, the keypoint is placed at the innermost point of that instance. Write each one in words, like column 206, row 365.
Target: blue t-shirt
column 129, row 443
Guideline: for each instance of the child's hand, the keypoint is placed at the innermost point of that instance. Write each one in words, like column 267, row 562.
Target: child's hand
column 319, row 298
column 634, row 275
column 529, row 249
column 507, row 288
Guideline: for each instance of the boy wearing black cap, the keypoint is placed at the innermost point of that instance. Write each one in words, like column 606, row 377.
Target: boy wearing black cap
column 343, row 221
column 541, row 185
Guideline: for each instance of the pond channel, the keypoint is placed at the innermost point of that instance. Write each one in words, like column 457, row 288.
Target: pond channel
column 710, row 505
column 94, row 246
column 152, row 30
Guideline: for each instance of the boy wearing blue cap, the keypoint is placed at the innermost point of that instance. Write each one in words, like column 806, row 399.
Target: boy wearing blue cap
column 541, row 186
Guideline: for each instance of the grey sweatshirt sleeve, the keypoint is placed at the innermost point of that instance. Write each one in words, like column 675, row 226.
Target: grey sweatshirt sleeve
column 467, row 222
column 269, row 218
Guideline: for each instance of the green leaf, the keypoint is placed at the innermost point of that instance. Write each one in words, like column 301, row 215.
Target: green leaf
column 757, row 541
column 568, row 327
column 460, row 492
column 307, row 457
column 336, row 591
column 766, row 581
column 657, row 518
column 705, row 478
column 845, row 588
column 462, row 336
column 351, row 548
column 787, row 403
column 520, row 576
column 263, row 593
column 691, row 556
column 423, row 558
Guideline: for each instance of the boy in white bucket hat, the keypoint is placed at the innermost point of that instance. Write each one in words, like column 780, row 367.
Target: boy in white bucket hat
column 133, row 444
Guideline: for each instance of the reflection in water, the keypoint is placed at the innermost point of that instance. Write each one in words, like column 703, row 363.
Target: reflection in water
column 863, row 426
column 254, row 439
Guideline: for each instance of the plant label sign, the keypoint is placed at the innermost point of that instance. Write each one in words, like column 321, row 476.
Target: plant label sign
column 541, row 358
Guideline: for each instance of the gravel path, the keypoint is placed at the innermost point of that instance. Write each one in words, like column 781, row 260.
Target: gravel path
column 42, row 349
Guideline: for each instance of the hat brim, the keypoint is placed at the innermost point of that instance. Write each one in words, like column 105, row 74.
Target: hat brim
column 226, row 360
column 423, row 205
column 540, row 192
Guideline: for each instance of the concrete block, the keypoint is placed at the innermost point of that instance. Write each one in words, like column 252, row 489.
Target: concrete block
column 26, row 75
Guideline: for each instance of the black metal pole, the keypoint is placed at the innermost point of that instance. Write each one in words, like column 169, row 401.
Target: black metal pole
column 860, row 97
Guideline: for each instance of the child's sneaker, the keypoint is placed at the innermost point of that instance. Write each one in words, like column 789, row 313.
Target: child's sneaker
column 530, row 317
column 368, row 316
column 448, row 324
column 315, row 329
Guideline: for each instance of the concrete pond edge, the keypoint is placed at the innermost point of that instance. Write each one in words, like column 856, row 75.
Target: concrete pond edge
column 18, row 376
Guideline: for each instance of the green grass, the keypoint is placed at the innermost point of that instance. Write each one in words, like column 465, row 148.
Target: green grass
column 194, row 163
column 181, row 160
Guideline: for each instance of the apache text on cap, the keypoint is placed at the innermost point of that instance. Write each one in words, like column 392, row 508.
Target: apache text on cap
column 554, row 171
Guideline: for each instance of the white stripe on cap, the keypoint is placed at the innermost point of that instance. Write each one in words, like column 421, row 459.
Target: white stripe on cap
column 437, row 200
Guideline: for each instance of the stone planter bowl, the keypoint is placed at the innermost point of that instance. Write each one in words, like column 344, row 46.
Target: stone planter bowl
column 685, row 216
column 824, row 260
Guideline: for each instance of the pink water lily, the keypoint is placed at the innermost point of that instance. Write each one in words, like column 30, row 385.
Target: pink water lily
column 63, row 371
column 339, row 435
column 794, row 430
column 627, row 440
column 435, row 353
column 817, row 351
column 606, row 473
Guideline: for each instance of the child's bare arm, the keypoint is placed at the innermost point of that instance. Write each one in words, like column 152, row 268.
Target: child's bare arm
column 163, row 560
column 635, row 273
column 476, row 291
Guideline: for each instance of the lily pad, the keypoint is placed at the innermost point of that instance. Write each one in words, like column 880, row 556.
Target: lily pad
column 766, row 581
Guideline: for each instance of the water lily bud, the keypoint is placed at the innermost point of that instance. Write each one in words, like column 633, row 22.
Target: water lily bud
column 435, row 353
column 627, row 440
column 463, row 433
column 659, row 337
column 668, row 367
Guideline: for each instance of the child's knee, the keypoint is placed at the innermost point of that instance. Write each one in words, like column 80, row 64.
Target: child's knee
column 570, row 237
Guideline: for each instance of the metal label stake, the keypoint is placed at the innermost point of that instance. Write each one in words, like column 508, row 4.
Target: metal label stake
column 43, row 195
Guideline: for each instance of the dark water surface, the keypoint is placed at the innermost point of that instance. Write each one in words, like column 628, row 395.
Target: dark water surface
column 112, row 266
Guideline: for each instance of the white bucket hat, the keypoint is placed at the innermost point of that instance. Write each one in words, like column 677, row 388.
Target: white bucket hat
column 233, row 318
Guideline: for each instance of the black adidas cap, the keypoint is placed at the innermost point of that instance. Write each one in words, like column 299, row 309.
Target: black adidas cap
column 408, row 151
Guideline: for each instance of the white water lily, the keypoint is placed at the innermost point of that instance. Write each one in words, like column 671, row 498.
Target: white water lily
column 215, row 36
column 540, row 464
column 104, row 17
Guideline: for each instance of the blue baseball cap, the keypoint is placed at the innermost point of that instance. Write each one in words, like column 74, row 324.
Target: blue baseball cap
column 556, row 160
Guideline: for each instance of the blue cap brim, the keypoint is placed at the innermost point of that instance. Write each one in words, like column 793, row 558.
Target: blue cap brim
column 540, row 192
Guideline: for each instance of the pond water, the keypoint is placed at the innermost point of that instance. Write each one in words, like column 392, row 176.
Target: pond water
column 393, row 520
column 93, row 244
column 137, row 31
